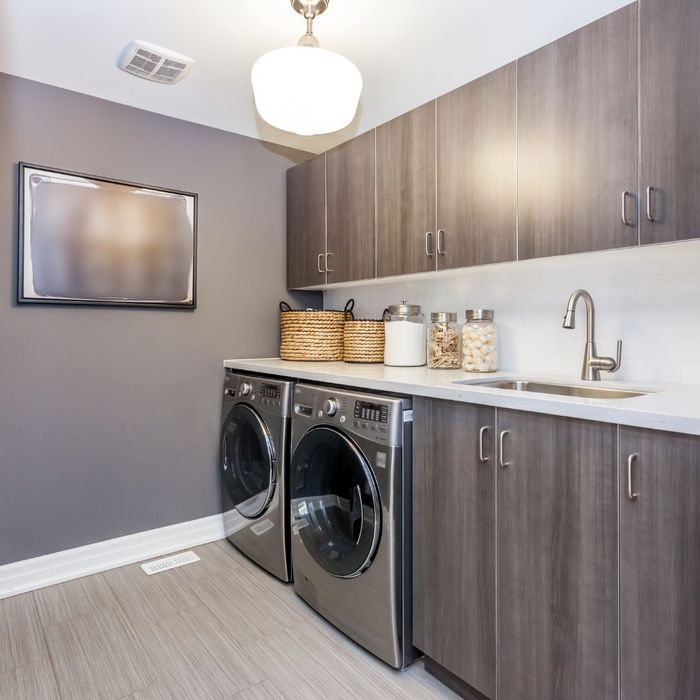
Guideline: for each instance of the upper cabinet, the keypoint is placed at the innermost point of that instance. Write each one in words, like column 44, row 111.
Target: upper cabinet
column 476, row 172
column 306, row 223
column 350, row 210
column 670, row 115
column 577, row 140
column 406, row 193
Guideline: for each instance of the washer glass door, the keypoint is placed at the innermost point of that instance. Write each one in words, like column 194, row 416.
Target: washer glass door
column 248, row 461
column 335, row 503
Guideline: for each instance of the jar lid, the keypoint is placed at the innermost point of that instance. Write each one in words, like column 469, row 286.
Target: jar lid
column 443, row 316
column 479, row 314
column 404, row 309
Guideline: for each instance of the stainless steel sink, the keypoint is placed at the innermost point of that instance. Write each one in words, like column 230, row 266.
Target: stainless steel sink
column 587, row 392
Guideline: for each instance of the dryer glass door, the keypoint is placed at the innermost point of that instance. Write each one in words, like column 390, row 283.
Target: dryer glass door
column 335, row 503
column 248, row 461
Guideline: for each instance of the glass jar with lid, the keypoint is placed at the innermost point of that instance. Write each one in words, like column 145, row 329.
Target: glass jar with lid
column 443, row 341
column 404, row 335
column 479, row 341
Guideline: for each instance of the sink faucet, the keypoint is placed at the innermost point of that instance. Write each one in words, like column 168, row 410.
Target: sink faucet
column 592, row 364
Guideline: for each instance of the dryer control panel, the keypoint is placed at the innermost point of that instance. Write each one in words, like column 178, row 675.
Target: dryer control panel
column 376, row 417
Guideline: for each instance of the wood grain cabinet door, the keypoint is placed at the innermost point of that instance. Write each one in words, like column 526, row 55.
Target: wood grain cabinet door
column 659, row 565
column 406, row 193
column 557, row 558
column 306, row 223
column 476, row 172
column 454, row 617
column 669, row 116
column 577, row 140
column 350, row 210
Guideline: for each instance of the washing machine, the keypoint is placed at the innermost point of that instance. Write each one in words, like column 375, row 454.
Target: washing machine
column 255, row 435
column 350, row 479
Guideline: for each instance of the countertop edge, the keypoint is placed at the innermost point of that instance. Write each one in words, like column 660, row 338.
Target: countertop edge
column 647, row 415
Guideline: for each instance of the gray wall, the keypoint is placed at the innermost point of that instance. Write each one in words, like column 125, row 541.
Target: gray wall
column 109, row 418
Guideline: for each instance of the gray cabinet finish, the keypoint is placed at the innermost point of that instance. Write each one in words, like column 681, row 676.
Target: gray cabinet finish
column 454, row 617
column 350, row 210
column 406, row 192
column 660, row 566
column 306, row 223
column 670, row 114
column 557, row 559
column 577, row 140
column 476, row 171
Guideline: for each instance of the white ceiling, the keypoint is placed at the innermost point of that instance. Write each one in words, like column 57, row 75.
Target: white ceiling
column 408, row 51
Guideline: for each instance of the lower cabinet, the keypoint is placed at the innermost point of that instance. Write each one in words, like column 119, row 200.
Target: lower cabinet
column 659, row 565
column 454, row 480
column 557, row 558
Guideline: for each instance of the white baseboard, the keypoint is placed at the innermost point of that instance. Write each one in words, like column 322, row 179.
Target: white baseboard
column 39, row 572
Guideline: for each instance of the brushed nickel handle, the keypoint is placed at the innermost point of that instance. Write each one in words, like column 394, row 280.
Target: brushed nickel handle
column 482, row 432
column 625, row 220
column 650, row 215
column 429, row 243
column 329, row 256
column 318, row 263
column 440, row 241
column 501, row 449
column 632, row 495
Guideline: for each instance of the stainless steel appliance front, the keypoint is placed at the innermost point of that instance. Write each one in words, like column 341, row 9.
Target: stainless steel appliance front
column 350, row 476
column 254, row 456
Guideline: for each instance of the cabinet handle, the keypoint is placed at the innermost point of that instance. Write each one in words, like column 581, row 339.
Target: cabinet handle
column 501, row 449
column 632, row 495
column 429, row 243
column 625, row 220
column 318, row 263
column 650, row 215
column 482, row 432
column 440, row 241
column 329, row 256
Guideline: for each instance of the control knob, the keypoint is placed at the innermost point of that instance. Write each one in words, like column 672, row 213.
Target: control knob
column 330, row 407
column 244, row 389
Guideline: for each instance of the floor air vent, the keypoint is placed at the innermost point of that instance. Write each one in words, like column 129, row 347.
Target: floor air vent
column 158, row 565
column 154, row 63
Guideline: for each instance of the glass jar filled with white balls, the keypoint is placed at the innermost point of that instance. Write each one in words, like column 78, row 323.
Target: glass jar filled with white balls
column 479, row 341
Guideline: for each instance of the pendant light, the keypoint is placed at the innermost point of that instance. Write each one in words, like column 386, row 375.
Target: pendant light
column 306, row 89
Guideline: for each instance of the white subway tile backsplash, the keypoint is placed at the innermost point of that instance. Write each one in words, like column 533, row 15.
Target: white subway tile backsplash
column 649, row 297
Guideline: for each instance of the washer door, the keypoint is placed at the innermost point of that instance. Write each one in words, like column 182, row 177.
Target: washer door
column 335, row 503
column 248, row 461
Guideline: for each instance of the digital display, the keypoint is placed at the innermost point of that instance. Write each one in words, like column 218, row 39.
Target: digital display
column 270, row 391
column 376, row 412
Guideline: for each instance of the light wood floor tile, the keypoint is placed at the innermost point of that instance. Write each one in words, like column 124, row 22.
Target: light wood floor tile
column 98, row 655
column 246, row 610
column 21, row 636
column 196, row 656
column 262, row 691
column 152, row 597
column 73, row 599
column 33, row 682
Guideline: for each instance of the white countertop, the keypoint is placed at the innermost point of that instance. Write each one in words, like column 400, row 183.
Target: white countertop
column 672, row 407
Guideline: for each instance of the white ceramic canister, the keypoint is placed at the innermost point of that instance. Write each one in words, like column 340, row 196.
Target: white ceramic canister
column 404, row 335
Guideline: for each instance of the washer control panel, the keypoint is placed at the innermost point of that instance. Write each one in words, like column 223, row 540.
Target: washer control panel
column 266, row 393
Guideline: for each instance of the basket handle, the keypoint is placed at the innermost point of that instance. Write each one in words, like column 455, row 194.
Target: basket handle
column 348, row 309
column 284, row 306
column 385, row 313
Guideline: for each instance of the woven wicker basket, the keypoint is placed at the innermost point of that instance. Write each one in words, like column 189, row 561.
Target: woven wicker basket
column 311, row 334
column 364, row 341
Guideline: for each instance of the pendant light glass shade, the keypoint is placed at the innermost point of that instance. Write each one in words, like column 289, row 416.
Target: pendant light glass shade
column 306, row 90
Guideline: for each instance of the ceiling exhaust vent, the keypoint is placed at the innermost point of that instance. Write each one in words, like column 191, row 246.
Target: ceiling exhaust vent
column 154, row 63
